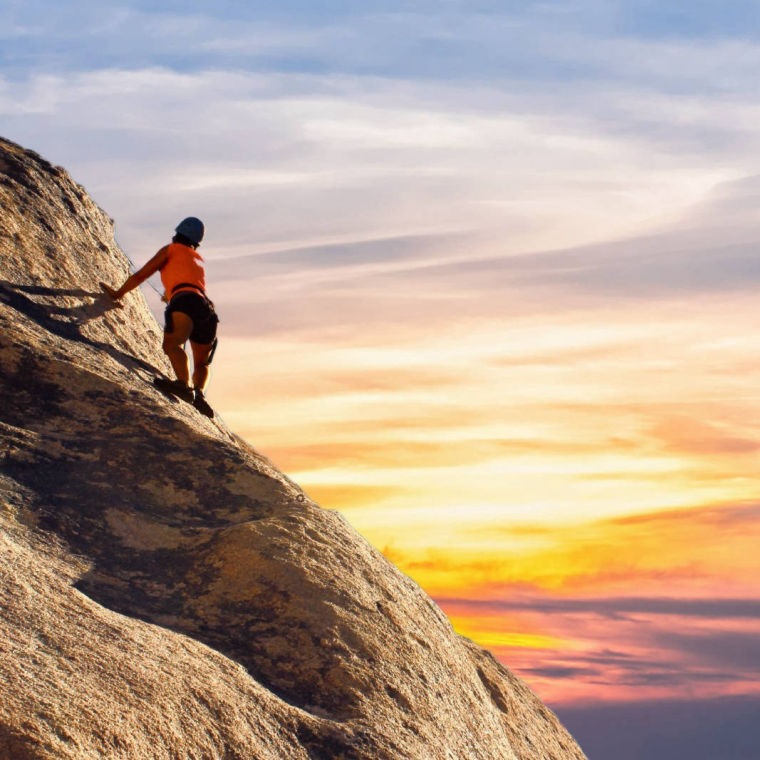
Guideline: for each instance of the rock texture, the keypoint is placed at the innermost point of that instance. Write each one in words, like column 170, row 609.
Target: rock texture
column 165, row 592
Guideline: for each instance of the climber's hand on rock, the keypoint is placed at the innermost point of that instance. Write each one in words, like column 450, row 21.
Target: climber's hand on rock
column 113, row 294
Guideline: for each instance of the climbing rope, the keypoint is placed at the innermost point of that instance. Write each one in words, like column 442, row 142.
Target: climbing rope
column 133, row 268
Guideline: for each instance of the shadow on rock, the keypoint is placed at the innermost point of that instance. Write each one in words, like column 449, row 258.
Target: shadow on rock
column 66, row 321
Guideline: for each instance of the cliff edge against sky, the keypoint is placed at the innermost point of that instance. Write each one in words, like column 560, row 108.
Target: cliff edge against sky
column 165, row 591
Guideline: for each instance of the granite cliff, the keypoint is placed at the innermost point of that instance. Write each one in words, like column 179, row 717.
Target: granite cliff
column 166, row 592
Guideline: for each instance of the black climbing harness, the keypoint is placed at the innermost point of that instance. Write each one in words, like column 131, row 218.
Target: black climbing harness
column 189, row 285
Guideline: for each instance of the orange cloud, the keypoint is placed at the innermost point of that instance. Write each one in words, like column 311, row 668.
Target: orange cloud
column 689, row 549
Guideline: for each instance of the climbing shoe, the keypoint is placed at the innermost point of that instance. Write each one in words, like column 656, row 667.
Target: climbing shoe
column 200, row 403
column 174, row 388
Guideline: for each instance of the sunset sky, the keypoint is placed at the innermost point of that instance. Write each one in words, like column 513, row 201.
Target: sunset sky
column 488, row 278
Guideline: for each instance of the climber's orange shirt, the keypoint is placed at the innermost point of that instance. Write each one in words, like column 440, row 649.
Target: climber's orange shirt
column 183, row 265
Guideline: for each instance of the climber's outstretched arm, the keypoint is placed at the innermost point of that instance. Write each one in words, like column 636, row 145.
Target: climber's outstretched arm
column 139, row 277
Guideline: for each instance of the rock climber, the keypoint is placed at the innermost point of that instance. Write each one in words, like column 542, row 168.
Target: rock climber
column 189, row 313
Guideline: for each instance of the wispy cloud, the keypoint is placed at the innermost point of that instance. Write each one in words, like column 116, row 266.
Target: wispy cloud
column 394, row 151
column 631, row 648
column 616, row 608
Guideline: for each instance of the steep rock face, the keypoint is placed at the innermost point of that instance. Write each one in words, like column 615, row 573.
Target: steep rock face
column 165, row 592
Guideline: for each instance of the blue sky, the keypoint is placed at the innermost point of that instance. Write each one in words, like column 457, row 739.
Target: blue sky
column 538, row 220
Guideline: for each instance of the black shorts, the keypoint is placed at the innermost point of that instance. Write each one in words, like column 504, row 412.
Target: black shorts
column 200, row 310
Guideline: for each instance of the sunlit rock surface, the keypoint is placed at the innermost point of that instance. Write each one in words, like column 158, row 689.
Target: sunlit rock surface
column 165, row 592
